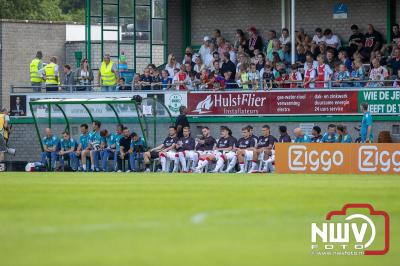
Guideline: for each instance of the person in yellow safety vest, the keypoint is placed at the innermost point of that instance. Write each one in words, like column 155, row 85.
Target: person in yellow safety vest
column 51, row 75
column 108, row 74
column 35, row 66
column 3, row 126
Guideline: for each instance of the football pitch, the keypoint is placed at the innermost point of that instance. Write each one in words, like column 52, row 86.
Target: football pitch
column 96, row 219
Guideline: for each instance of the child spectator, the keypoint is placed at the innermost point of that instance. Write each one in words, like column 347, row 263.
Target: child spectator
column 205, row 82
column 254, row 76
column 199, row 66
column 343, row 76
column 217, row 81
column 309, row 76
column 283, row 80
column 294, row 77
column 244, row 78
column 268, row 77
column 358, row 73
column 377, row 73
column 146, row 79
column 181, row 79
column 324, row 72
column 166, row 81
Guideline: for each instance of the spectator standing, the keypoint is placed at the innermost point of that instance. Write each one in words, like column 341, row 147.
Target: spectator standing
column 34, row 67
column 373, row 42
column 181, row 121
column 84, row 76
column 68, row 79
column 255, row 41
column 172, row 64
column 271, row 37
column 108, row 74
column 276, row 48
column 216, row 35
column 324, row 73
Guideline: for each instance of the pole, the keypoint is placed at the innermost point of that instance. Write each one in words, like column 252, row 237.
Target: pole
column 293, row 29
column 283, row 13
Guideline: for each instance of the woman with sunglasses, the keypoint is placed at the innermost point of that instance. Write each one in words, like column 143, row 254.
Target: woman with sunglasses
column 84, row 76
column 172, row 64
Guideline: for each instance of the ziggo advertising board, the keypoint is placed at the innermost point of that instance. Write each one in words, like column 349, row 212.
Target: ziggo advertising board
column 339, row 158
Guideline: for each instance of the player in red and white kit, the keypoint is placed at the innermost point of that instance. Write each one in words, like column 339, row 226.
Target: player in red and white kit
column 244, row 148
column 324, row 72
column 184, row 150
column 204, row 147
column 309, row 76
column 223, row 150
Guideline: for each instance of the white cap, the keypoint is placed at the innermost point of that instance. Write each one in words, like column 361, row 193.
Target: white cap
column 207, row 38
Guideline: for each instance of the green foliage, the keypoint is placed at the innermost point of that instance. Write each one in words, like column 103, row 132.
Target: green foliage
column 54, row 10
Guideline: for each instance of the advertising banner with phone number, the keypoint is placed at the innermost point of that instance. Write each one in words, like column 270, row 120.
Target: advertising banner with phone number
column 312, row 102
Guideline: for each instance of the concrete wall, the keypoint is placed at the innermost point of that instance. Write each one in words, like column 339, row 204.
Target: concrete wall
column 29, row 148
column 229, row 15
column 20, row 41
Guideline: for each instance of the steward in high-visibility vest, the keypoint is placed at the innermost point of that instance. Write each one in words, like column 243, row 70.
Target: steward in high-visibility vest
column 108, row 72
column 51, row 72
column 34, row 67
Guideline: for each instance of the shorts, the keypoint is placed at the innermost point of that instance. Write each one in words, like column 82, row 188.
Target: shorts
column 154, row 154
column 248, row 155
column 188, row 154
column 170, row 155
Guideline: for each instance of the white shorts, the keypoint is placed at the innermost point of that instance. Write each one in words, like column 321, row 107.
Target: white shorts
column 230, row 155
column 248, row 155
column 188, row 154
column 170, row 155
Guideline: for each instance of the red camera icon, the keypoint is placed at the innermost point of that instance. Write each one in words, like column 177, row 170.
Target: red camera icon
column 372, row 212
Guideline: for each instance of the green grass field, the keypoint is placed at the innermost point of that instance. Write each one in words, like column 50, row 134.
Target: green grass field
column 193, row 220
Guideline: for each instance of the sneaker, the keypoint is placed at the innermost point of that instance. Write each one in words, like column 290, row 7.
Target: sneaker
column 127, row 171
column 147, row 170
column 253, row 171
column 97, row 170
column 240, row 172
column 119, row 171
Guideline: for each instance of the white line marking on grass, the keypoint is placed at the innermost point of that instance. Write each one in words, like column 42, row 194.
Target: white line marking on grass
column 200, row 217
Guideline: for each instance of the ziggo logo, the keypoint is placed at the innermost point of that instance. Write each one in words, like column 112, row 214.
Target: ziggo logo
column 369, row 159
column 300, row 159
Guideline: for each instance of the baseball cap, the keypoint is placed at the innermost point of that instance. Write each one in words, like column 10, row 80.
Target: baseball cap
column 207, row 38
column 252, row 29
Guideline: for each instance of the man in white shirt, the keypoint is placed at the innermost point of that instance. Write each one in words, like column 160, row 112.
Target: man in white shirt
column 318, row 37
column 205, row 48
column 332, row 40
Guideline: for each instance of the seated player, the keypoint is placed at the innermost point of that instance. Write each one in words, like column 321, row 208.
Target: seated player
column 50, row 148
column 269, row 161
column 252, row 134
column 330, row 136
column 316, row 132
column 245, row 148
column 284, row 136
column 67, row 151
column 300, row 137
column 107, row 147
column 138, row 147
column 117, row 136
column 224, row 150
column 263, row 148
column 124, row 147
column 204, row 147
column 83, row 145
column 343, row 135
column 93, row 150
column 164, row 151
column 184, row 151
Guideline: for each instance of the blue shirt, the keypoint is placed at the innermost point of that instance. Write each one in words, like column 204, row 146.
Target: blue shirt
column 94, row 137
column 365, row 123
column 109, row 140
column 327, row 138
column 117, row 138
column 165, row 83
column 51, row 142
column 303, row 139
column 67, row 144
column 139, row 145
column 84, row 140
column 346, row 139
